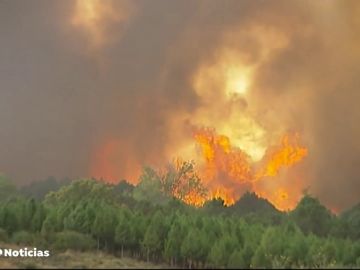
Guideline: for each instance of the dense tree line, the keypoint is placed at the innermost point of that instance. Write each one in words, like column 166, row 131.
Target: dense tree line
column 147, row 223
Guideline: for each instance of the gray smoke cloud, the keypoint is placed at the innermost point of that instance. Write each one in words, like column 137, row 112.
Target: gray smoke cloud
column 61, row 102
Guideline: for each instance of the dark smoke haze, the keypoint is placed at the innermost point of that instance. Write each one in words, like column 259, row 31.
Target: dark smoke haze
column 62, row 100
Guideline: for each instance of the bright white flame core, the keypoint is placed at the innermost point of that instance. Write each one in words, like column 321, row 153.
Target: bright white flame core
column 237, row 81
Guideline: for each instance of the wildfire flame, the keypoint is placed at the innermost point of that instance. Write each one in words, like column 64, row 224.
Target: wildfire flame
column 225, row 195
column 221, row 157
column 285, row 155
column 242, row 155
column 226, row 169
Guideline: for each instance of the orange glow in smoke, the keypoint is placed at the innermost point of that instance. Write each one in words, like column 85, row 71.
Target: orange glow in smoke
column 95, row 17
column 106, row 159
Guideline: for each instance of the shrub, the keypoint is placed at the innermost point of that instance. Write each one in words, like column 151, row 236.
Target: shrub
column 73, row 240
column 40, row 241
column 23, row 237
column 3, row 235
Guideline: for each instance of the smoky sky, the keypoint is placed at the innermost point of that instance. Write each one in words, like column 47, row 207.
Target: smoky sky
column 60, row 101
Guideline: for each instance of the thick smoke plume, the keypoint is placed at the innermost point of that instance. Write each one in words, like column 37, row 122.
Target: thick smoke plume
column 101, row 88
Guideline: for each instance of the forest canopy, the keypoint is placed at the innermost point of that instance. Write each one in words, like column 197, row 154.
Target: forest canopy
column 148, row 222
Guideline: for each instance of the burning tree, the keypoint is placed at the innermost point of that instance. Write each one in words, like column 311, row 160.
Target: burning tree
column 179, row 180
column 182, row 182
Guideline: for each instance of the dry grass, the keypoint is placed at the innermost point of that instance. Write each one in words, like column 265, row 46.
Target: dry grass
column 74, row 260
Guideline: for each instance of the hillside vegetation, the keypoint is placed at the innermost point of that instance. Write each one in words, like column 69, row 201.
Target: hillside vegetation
column 147, row 224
